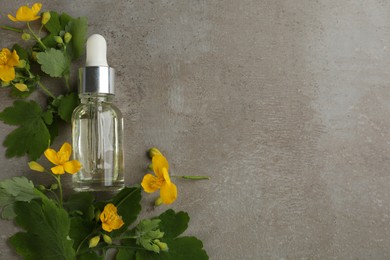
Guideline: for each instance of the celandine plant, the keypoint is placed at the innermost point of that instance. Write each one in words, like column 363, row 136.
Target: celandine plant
column 79, row 226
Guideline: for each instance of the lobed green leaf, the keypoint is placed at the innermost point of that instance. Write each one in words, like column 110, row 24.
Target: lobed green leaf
column 66, row 106
column 13, row 190
column 53, row 62
column 173, row 224
column 47, row 228
column 32, row 136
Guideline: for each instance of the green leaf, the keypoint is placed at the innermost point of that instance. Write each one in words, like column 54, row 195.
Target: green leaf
column 32, row 136
column 66, row 106
column 65, row 19
column 20, row 112
column 188, row 248
column 81, row 202
column 78, row 29
column 126, row 254
column 13, row 190
column 80, row 228
column 47, row 116
column 90, row 255
column 47, row 228
column 22, row 53
column 53, row 62
column 173, row 224
column 53, row 25
column 54, row 127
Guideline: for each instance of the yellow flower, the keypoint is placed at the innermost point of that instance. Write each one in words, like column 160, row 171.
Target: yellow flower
column 27, row 14
column 150, row 183
column 8, row 60
column 61, row 159
column 36, row 166
column 110, row 218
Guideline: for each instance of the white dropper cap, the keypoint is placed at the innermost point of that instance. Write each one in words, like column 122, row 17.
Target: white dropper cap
column 96, row 51
column 96, row 76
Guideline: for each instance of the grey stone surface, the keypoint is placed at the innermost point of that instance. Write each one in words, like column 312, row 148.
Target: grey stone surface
column 284, row 104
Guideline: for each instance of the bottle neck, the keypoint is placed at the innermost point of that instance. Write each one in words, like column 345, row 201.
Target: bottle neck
column 96, row 97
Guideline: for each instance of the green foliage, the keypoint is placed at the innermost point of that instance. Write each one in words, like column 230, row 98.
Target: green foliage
column 32, row 136
column 172, row 224
column 53, row 62
column 78, row 29
column 184, row 248
column 66, row 106
column 47, row 229
column 22, row 53
column 13, row 190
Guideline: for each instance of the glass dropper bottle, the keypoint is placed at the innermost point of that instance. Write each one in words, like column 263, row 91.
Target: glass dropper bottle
column 97, row 124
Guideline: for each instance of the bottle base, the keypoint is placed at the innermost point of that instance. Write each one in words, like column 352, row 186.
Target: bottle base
column 89, row 186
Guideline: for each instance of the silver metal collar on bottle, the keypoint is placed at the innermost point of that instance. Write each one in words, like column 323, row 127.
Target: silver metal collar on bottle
column 97, row 79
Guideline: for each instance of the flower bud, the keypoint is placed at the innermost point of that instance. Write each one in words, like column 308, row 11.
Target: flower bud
column 26, row 36
column 158, row 202
column 67, row 37
column 22, row 64
column 45, row 17
column 97, row 215
column 54, row 186
column 58, row 39
column 22, row 88
column 41, row 187
column 107, row 239
column 94, row 241
column 36, row 166
column 34, row 55
column 154, row 151
column 163, row 246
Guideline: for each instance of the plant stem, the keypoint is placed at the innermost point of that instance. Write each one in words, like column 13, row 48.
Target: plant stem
column 58, row 178
column 36, row 37
column 82, row 242
column 45, row 89
column 66, row 77
column 196, row 177
column 11, row 29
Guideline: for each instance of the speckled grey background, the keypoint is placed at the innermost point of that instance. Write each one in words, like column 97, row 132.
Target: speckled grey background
column 284, row 104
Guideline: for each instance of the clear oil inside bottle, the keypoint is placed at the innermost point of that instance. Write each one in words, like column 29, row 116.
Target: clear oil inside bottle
column 97, row 143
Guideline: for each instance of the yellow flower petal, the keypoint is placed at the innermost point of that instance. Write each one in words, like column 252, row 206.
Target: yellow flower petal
column 150, row 183
column 159, row 162
column 13, row 59
column 110, row 219
column 36, row 8
column 168, row 193
column 12, row 18
column 21, row 87
column 166, row 177
column 26, row 14
column 7, row 73
column 59, row 169
column 72, row 166
column 36, row 166
column 64, row 153
column 51, row 155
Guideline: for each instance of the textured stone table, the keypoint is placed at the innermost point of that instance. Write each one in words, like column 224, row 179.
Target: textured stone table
column 284, row 104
